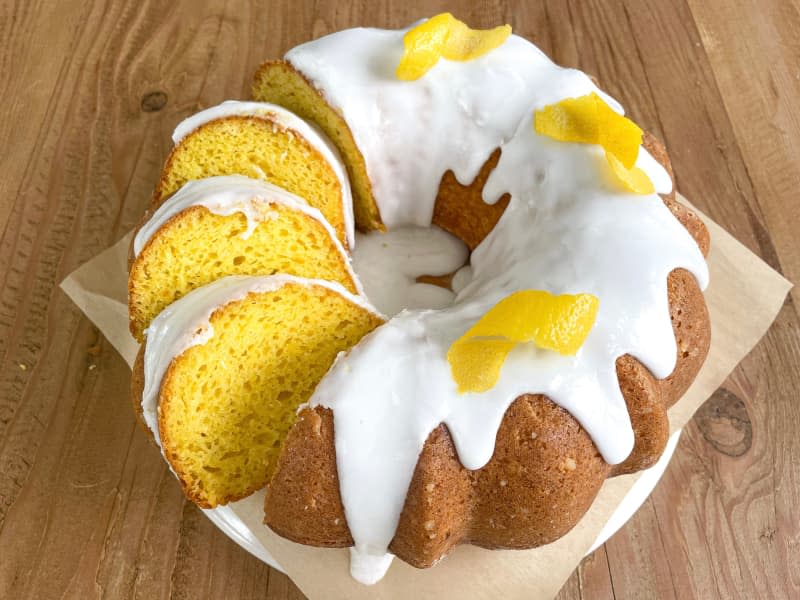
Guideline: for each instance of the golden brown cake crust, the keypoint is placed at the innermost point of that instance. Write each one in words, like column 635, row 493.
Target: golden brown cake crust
column 304, row 504
column 460, row 209
column 545, row 471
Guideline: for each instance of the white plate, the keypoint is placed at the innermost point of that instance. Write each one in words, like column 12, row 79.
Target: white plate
column 232, row 526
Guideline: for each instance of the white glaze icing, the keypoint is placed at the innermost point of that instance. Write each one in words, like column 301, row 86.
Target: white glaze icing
column 569, row 228
column 452, row 118
column 461, row 278
column 228, row 194
column 187, row 322
column 388, row 265
column 369, row 569
column 286, row 120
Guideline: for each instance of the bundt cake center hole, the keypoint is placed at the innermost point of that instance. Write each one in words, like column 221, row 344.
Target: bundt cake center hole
column 409, row 267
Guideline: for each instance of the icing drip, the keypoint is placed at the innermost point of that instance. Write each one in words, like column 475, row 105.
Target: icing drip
column 462, row 111
column 388, row 265
column 187, row 322
column 367, row 568
column 286, row 120
column 568, row 229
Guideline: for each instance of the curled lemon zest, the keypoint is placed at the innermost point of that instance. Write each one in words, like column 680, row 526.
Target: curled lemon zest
column 444, row 36
column 633, row 179
column 589, row 120
column 557, row 323
column 475, row 363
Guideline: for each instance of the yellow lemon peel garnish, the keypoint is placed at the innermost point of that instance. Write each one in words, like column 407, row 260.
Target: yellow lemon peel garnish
column 475, row 363
column 589, row 120
column 464, row 43
column 444, row 36
column 558, row 323
column 633, row 179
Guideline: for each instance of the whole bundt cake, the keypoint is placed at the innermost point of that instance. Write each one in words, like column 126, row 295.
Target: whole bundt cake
column 494, row 420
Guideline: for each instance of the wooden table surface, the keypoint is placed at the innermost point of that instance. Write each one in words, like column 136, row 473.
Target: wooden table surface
column 92, row 90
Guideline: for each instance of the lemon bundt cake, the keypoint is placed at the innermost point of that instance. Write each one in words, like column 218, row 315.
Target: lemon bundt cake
column 493, row 420
column 537, row 170
column 225, row 368
column 228, row 225
column 262, row 141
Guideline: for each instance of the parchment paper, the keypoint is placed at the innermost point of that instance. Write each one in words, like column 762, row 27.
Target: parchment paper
column 744, row 297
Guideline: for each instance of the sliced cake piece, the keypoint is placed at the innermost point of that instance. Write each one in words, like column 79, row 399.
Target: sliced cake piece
column 278, row 82
column 262, row 141
column 225, row 368
column 228, row 225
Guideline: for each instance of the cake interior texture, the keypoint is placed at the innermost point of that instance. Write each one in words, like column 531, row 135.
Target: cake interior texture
column 226, row 405
column 277, row 82
column 197, row 247
column 259, row 148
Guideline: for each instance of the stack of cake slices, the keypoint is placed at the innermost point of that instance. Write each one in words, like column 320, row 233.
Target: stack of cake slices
column 241, row 292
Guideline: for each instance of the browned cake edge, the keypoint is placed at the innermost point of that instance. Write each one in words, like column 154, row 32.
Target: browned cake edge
column 461, row 210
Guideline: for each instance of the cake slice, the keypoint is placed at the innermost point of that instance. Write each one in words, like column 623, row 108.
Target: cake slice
column 278, row 82
column 228, row 225
column 262, row 141
column 224, row 369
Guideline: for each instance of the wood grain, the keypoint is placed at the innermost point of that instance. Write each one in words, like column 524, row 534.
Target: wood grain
column 92, row 92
